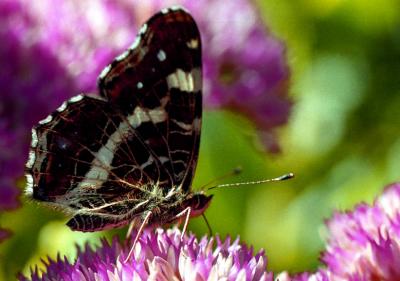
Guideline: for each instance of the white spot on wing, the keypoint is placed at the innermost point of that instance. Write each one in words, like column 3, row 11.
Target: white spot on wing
column 95, row 177
column 29, row 184
column 76, row 98
column 31, row 159
column 122, row 56
column 62, row 107
column 143, row 29
column 161, row 55
column 135, row 43
column 177, row 8
column 139, row 85
column 103, row 158
column 184, row 126
column 34, row 141
column 46, row 120
column 173, row 8
column 193, row 44
column 155, row 115
column 185, row 81
column 158, row 114
column 105, row 71
column 172, row 81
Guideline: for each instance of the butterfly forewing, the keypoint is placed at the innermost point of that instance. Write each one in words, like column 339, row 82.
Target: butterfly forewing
column 103, row 158
column 161, row 75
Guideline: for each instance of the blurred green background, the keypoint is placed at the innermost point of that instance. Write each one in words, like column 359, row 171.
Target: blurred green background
column 342, row 142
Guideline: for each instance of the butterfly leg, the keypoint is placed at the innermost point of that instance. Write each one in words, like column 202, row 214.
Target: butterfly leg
column 188, row 210
column 140, row 231
column 130, row 229
column 208, row 225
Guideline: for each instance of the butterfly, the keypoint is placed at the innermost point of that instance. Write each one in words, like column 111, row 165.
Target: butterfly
column 128, row 155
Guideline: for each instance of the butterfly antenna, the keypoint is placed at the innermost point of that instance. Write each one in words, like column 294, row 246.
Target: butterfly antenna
column 210, row 232
column 236, row 171
column 281, row 178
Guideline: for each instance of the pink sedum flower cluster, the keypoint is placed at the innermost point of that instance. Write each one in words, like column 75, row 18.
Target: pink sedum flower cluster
column 160, row 255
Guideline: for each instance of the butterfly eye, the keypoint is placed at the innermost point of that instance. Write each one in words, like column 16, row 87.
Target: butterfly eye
column 200, row 203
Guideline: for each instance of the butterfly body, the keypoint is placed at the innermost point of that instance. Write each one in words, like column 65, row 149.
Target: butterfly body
column 128, row 154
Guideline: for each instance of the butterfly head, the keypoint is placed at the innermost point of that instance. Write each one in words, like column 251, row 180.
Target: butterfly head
column 198, row 203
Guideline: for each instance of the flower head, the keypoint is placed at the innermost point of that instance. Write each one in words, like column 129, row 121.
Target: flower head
column 161, row 255
column 245, row 66
column 364, row 244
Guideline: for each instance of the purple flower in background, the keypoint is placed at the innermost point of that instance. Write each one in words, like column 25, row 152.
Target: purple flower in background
column 161, row 255
column 245, row 66
column 364, row 244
